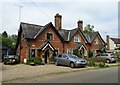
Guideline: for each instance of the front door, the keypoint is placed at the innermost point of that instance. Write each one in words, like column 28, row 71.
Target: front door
column 46, row 56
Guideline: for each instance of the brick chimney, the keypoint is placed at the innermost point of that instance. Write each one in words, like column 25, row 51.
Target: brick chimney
column 80, row 25
column 107, row 41
column 58, row 21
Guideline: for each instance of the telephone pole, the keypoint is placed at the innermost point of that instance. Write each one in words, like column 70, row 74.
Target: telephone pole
column 19, row 11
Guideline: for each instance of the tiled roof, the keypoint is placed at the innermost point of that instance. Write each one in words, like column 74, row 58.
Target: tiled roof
column 90, row 37
column 67, row 34
column 116, row 40
column 78, row 46
column 30, row 30
column 101, row 47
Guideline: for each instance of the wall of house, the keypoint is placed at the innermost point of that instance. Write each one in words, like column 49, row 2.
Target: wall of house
column 70, row 46
column 23, row 52
column 111, row 44
column 40, row 40
column 94, row 47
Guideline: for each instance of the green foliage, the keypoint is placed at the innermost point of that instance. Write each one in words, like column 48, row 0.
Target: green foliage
column 51, row 59
column 76, row 52
column 88, row 29
column 100, row 64
column 34, row 61
column 9, row 41
column 5, row 34
column 91, row 62
column 118, row 54
column 90, row 53
column 118, row 60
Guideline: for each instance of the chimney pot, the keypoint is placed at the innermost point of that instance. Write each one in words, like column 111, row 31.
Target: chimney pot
column 80, row 25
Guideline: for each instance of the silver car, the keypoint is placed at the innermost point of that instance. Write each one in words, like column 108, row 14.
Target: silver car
column 70, row 60
column 106, row 57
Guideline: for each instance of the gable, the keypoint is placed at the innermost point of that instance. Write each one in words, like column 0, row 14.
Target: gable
column 49, row 29
column 77, row 34
column 68, row 35
column 98, row 40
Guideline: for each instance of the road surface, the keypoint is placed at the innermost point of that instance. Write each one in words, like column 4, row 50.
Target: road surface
column 105, row 75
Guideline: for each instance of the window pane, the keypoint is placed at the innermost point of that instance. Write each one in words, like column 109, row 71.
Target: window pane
column 49, row 36
column 33, row 53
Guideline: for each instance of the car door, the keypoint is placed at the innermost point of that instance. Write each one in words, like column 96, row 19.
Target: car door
column 104, row 56
column 59, row 59
column 65, row 59
column 97, row 57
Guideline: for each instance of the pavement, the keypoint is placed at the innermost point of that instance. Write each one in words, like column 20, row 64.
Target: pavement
column 22, row 71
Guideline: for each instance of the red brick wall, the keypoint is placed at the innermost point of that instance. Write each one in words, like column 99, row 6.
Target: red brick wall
column 96, row 46
column 56, row 42
column 72, row 44
column 23, row 49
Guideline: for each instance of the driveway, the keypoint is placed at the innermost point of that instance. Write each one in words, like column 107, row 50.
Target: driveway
column 22, row 71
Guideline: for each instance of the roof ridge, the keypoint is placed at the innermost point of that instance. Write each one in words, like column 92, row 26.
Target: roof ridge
column 30, row 24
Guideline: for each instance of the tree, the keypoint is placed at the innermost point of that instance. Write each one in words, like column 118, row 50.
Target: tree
column 88, row 29
column 9, row 41
column 5, row 34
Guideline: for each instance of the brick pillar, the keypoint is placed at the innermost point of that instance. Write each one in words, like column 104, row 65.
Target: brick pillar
column 58, row 21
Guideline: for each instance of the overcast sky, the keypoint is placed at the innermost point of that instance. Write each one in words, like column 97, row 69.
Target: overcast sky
column 103, row 14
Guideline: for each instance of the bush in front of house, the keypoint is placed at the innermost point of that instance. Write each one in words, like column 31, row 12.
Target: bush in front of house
column 100, row 64
column 34, row 61
column 52, row 59
column 118, row 54
column 118, row 60
column 91, row 62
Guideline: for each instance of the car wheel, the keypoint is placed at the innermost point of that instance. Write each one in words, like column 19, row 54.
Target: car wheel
column 72, row 65
column 107, row 61
column 56, row 63
column 5, row 63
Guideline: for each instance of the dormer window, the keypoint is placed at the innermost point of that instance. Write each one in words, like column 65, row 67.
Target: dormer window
column 49, row 36
column 76, row 39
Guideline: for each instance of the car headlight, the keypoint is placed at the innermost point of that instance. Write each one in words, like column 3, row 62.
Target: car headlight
column 77, row 61
column 13, row 60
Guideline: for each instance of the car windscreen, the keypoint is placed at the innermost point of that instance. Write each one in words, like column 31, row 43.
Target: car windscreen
column 112, row 55
column 73, row 56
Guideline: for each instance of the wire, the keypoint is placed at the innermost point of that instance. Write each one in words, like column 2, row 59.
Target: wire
column 40, row 9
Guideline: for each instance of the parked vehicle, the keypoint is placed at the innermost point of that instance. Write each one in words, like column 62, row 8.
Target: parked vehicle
column 11, row 59
column 106, row 57
column 70, row 60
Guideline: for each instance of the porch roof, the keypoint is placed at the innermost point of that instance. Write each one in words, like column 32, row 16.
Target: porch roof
column 45, row 45
column 79, row 46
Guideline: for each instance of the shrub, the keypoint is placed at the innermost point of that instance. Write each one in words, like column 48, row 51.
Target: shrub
column 90, row 53
column 51, row 59
column 118, row 54
column 35, row 61
column 76, row 52
column 118, row 60
column 101, row 64
column 91, row 62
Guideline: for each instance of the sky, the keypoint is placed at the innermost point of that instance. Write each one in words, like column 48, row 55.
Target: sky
column 103, row 14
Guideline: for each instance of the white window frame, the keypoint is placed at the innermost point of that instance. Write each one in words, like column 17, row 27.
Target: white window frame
column 76, row 39
column 96, row 41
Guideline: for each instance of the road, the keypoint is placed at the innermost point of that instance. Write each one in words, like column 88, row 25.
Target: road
column 106, row 75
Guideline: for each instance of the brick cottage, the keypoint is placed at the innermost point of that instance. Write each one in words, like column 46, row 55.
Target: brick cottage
column 44, row 42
